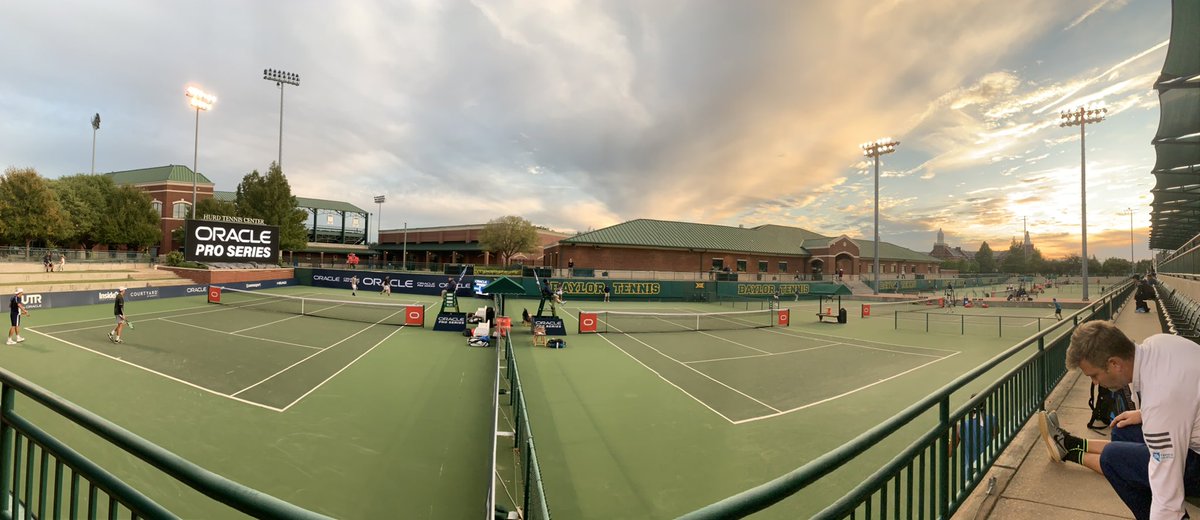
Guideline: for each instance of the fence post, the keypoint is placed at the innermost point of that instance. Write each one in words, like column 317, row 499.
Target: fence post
column 7, row 397
column 943, row 456
column 1042, row 374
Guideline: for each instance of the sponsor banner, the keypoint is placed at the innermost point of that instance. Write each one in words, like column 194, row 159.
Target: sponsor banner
column 414, row 315
column 554, row 325
column 132, row 294
column 214, row 294
column 451, row 322
column 587, row 322
column 785, row 316
column 373, row 280
column 212, row 241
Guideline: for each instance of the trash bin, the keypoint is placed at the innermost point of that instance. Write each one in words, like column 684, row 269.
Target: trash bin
column 842, row 315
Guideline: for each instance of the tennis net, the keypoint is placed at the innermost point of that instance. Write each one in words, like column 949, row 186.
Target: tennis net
column 638, row 322
column 891, row 308
column 366, row 312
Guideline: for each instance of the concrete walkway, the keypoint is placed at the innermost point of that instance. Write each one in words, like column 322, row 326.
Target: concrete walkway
column 1029, row 485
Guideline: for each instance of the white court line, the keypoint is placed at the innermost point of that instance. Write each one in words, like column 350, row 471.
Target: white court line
column 347, row 338
column 353, row 361
column 268, row 323
column 668, row 381
column 155, row 372
column 894, row 351
column 808, row 334
column 765, row 355
column 844, row 394
column 242, row 335
column 734, row 342
column 802, row 407
column 681, row 363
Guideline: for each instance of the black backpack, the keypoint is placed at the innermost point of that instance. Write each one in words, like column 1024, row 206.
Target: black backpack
column 1107, row 404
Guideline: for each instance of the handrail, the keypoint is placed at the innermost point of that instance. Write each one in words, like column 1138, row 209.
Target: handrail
column 780, row 488
column 237, row 496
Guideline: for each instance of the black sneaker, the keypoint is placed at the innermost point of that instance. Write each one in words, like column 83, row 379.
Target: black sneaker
column 1053, row 436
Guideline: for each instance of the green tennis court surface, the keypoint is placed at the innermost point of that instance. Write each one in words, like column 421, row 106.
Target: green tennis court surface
column 348, row 418
column 654, row 425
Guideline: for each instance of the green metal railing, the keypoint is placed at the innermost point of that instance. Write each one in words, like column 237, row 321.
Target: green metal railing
column 533, row 494
column 42, row 477
column 939, row 469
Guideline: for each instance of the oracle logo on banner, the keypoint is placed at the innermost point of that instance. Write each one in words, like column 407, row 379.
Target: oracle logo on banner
column 209, row 241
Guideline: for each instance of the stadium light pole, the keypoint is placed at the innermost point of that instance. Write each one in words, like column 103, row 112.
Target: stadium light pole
column 379, row 200
column 280, row 78
column 1081, row 116
column 201, row 100
column 875, row 149
column 95, row 128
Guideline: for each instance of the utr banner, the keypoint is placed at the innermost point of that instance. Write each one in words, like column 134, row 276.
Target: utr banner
column 211, row 241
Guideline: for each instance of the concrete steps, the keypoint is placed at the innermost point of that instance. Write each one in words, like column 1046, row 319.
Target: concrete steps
column 94, row 277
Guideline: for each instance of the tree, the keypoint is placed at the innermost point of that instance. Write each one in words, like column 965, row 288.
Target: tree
column 28, row 208
column 84, row 199
column 131, row 220
column 507, row 236
column 215, row 206
column 1014, row 261
column 270, row 198
column 1115, row 266
column 987, row 262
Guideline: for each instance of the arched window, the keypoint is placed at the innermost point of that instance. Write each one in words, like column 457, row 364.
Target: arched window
column 179, row 209
column 157, row 205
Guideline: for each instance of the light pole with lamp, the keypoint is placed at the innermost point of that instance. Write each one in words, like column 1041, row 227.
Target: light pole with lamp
column 280, row 78
column 1081, row 116
column 379, row 200
column 201, row 100
column 875, row 149
column 95, row 128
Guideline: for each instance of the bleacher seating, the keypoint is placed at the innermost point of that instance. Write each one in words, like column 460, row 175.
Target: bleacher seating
column 1178, row 313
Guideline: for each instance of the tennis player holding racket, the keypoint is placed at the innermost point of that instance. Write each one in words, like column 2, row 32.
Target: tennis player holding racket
column 16, row 309
column 118, row 311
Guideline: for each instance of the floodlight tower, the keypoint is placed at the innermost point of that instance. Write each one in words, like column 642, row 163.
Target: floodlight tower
column 201, row 100
column 1081, row 116
column 281, row 78
column 95, row 128
column 875, row 149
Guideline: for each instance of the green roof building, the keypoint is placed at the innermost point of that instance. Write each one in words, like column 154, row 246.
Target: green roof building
column 769, row 251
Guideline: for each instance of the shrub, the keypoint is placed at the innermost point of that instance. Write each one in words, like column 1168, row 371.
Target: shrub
column 174, row 259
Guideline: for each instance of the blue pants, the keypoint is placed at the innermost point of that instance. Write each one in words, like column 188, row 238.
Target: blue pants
column 1131, row 433
column 1125, row 466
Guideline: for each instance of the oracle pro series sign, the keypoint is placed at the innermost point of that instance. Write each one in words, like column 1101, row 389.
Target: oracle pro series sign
column 211, row 241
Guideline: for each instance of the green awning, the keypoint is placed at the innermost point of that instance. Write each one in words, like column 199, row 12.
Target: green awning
column 504, row 285
column 829, row 289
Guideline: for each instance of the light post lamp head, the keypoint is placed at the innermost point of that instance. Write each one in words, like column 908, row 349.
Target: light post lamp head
column 200, row 99
column 1081, row 115
column 280, row 77
column 879, row 147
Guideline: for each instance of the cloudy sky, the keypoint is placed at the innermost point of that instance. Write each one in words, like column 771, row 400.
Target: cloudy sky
column 580, row 115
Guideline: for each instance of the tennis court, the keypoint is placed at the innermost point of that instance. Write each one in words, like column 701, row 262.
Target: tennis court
column 656, row 424
column 346, row 414
column 747, row 372
column 258, row 348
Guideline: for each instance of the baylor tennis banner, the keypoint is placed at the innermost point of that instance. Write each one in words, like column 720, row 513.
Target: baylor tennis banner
column 212, row 241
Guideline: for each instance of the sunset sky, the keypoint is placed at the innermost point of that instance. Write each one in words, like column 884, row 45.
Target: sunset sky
column 580, row 115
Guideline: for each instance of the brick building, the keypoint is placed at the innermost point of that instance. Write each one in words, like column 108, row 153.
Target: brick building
column 659, row 245
column 455, row 244
column 170, row 190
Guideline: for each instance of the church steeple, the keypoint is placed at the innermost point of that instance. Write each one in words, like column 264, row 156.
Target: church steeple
column 941, row 238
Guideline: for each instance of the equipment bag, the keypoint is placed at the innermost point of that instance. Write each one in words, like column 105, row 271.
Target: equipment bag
column 1107, row 404
column 556, row 343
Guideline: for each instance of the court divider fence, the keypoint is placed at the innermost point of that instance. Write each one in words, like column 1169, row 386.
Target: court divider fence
column 935, row 473
column 968, row 323
column 42, row 477
column 532, row 494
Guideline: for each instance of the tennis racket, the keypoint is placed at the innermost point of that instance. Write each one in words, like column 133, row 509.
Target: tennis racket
column 128, row 323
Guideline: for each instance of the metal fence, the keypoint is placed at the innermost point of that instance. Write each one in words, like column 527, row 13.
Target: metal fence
column 937, row 471
column 527, row 474
column 935, row 322
column 37, row 254
column 42, row 477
